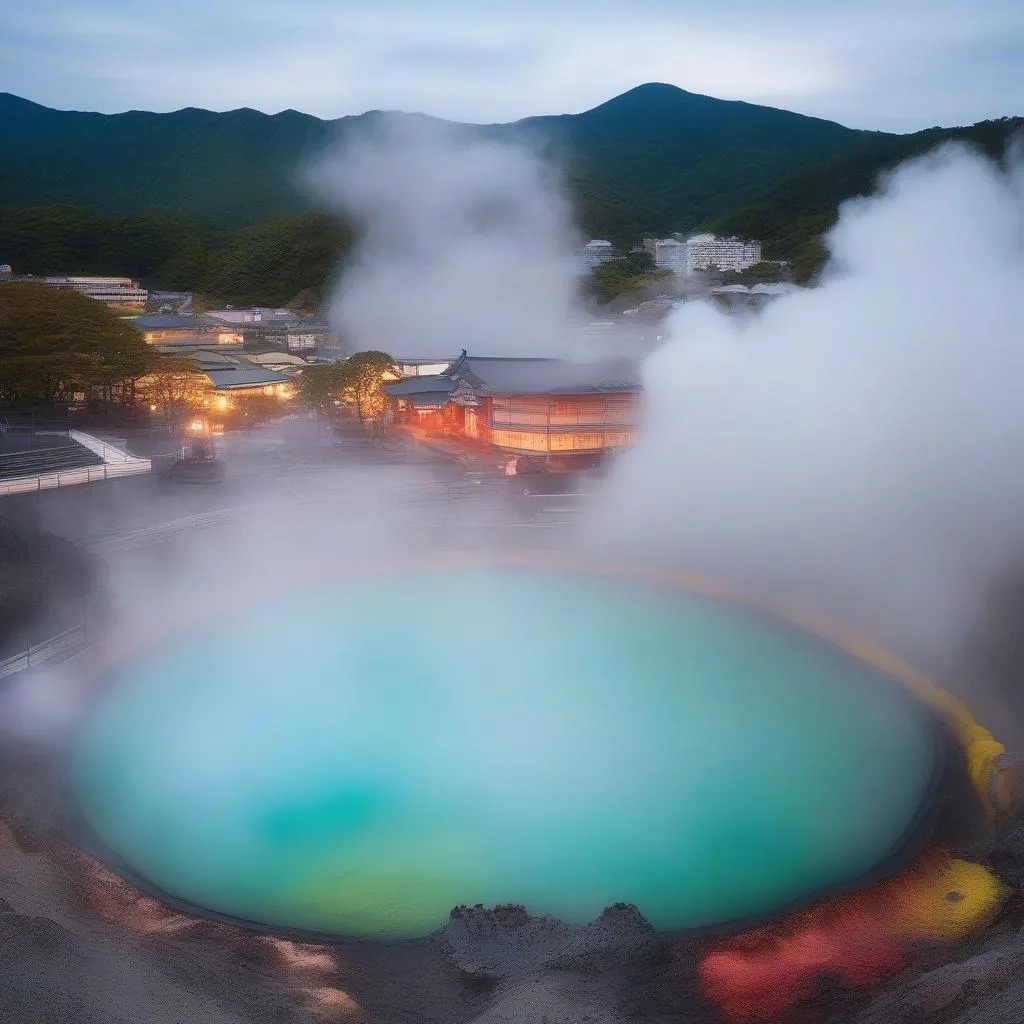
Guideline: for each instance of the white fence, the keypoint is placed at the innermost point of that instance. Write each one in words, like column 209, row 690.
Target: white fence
column 116, row 463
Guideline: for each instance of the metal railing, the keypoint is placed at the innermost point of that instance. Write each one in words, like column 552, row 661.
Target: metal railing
column 68, row 477
column 44, row 460
column 117, row 462
column 58, row 648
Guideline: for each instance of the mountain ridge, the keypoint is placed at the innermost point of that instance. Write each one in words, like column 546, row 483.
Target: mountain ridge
column 207, row 201
column 652, row 160
column 644, row 90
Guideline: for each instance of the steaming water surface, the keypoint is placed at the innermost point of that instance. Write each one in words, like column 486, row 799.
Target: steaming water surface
column 362, row 757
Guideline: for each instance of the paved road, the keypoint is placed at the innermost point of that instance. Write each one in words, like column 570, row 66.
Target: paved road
column 290, row 477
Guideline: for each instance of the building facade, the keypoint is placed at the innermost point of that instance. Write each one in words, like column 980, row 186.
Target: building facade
column 593, row 254
column 168, row 332
column 560, row 412
column 116, row 292
column 667, row 253
column 706, row 252
column 172, row 333
column 421, row 366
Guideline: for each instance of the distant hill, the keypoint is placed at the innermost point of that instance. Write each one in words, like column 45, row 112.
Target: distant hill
column 654, row 160
column 211, row 202
column 791, row 215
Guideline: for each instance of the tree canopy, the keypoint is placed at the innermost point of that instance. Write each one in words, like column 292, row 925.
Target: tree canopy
column 632, row 274
column 791, row 216
column 760, row 273
column 173, row 386
column 355, row 384
column 270, row 262
column 56, row 342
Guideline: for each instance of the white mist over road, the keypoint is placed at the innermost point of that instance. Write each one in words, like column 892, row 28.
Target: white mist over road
column 464, row 243
column 858, row 445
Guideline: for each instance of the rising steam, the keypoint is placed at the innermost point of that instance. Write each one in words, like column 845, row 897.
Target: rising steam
column 464, row 243
column 858, row 445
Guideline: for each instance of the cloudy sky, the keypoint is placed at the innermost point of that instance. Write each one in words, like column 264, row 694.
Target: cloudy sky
column 888, row 64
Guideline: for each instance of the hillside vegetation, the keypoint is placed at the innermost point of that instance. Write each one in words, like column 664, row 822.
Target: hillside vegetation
column 213, row 202
column 791, row 216
column 654, row 160
column 269, row 263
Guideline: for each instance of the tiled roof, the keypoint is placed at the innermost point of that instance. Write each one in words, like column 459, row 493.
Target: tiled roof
column 430, row 398
column 428, row 383
column 527, row 376
column 244, row 377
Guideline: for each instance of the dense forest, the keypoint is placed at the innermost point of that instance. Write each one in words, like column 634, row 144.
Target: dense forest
column 653, row 160
column 54, row 343
column 269, row 263
column 208, row 202
column 791, row 216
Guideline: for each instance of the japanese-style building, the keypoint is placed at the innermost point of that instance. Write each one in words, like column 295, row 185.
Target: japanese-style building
column 554, row 409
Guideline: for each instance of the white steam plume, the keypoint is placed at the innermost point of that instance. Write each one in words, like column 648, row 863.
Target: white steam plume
column 858, row 445
column 464, row 243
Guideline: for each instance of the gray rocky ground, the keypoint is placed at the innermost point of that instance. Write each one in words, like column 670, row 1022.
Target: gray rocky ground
column 78, row 946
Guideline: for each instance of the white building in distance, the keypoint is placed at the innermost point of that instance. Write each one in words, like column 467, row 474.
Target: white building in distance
column 667, row 253
column 593, row 254
column 116, row 292
column 706, row 252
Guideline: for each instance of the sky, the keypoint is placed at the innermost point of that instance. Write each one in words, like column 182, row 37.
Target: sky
column 894, row 65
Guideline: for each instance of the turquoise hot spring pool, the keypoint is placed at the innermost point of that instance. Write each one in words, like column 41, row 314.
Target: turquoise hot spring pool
column 360, row 757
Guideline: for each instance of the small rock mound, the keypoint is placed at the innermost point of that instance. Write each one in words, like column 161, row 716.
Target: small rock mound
column 508, row 941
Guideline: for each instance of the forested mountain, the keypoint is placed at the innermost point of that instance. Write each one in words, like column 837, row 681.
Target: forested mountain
column 654, row 160
column 267, row 263
column 213, row 202
column 657, row 159
column 791, row 215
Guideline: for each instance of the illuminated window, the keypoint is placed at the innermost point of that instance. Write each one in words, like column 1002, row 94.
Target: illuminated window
column 522, row 440
column 563, row 412
column 501, row 410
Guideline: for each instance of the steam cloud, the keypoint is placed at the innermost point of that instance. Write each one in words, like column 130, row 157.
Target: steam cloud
column 464, row 243
column 858, row 445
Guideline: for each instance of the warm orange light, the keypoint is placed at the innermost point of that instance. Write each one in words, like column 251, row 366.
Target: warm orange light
column 196, row 426
column 221, row 403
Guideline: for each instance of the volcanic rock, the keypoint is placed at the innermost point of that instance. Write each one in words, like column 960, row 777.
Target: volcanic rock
column 507, row 941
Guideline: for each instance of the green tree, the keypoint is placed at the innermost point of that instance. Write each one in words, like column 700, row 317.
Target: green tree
column 319, row 386
column 357, row 383
column 266, row 263
column 173, row 386
column 630, row 274
column 363, row 376
column 55, row 342
column 760, row 273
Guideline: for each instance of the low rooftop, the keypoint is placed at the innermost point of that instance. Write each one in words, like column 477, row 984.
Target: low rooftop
column 169, row 321
column 433, row 383
column 533, row 376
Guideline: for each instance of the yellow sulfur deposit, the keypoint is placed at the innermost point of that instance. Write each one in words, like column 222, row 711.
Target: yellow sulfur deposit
column 946, row 898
